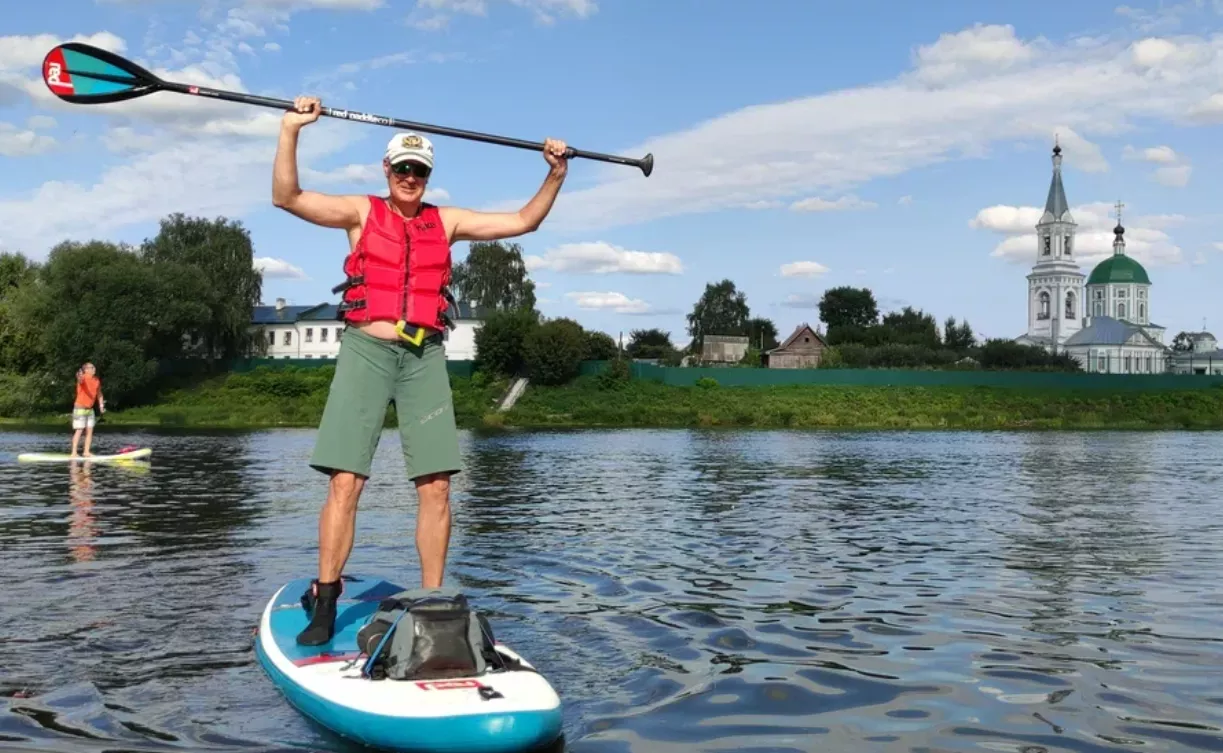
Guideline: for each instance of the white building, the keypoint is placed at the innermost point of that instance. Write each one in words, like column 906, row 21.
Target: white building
column 1203, row 356
column 314, row 331
column 1106, row 327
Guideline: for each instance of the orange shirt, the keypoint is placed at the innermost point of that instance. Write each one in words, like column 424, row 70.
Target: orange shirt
column 87, row 391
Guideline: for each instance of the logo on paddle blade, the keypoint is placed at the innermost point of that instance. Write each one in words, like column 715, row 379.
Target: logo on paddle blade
column 55, row 73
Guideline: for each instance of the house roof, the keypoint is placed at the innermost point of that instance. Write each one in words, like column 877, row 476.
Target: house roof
column 329, row 312
column 1118, row 268
column 285, row 315
column 800, row 329
column 1105, row 330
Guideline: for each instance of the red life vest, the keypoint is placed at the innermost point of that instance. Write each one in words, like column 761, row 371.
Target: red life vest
column 398, row 270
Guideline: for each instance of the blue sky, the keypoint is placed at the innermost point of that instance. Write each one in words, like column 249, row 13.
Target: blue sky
column 799, row 146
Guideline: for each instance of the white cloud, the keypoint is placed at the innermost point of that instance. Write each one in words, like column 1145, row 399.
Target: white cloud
column 272, row 47
column 1158, row 154
column 617, row 302
column 905, row 201
column 1175, row 171
column 431, row 15
column 1145, row 240
column 1209, row 110
column 40, row 122
column 272, row 267
column 970, row 51
column 833, row 142
column 816, row 204
column 1219, row 246
column 599, row 257
column 1177, row 177
column 803, row 269
column 1199, row 258
column 19, row 143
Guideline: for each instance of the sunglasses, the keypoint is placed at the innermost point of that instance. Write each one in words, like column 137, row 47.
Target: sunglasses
column 415, row 168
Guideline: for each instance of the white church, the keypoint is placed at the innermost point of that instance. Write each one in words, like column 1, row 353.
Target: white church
column 1103, row 323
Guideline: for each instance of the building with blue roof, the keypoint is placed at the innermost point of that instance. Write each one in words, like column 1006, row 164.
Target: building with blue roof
column 314, row 331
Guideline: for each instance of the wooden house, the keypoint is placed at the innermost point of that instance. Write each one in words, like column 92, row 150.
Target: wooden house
column 801, row 350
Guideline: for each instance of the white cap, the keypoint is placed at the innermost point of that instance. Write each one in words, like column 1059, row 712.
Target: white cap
column 410, row 146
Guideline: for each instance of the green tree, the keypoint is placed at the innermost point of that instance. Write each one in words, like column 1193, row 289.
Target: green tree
column 221, row 250
column 762, row 334
column 911, row 326
column 493, row 276
column 18, row 341
column 1181, row 343
column 15, row 270
column 500, row 340
column 553, row 351
column 649, row 344
column 103, row 303
column 958, row 336
column 600, row 346
column 721, row 310
column 848, row 307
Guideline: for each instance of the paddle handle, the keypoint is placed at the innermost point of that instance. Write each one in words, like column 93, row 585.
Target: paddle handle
column 645, row 164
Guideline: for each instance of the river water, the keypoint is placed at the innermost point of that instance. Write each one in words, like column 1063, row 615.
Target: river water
column 682, row 590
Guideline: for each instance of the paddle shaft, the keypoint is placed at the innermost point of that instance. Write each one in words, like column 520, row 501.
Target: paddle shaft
column 646, row 164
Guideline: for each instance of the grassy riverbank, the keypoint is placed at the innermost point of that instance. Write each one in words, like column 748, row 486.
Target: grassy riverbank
column 295, row 397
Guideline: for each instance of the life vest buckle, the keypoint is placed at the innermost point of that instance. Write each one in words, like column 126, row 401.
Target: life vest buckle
column 415, row 338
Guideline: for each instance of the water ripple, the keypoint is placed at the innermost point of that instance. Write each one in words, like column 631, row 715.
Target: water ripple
column 747, row 591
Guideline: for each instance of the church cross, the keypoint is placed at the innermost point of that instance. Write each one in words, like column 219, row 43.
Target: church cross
column 1119, row 205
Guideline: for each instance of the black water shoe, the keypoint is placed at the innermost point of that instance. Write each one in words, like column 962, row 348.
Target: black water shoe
column 319, row 603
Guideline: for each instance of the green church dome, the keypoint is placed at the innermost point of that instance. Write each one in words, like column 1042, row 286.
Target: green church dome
column 1119, row 269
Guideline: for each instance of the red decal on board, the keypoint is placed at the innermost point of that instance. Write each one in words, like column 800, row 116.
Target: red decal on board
column 449, row 684
column 55, row 72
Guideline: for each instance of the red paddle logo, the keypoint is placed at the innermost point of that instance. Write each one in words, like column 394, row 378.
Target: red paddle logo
column 55, row 72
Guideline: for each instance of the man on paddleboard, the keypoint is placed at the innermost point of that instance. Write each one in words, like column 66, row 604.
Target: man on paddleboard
column 395, row 307
column 88, row 394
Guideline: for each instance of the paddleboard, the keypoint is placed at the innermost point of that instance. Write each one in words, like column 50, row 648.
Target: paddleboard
column 54, row 457
column 499, row 710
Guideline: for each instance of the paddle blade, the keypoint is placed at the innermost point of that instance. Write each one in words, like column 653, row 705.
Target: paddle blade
column 86, row 75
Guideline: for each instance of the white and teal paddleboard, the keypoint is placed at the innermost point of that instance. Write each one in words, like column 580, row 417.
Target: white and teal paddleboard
column 498, row 711
column 64, row 457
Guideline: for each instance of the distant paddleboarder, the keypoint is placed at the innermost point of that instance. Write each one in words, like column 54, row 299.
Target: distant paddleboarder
column 88, row 396
column 395, row 307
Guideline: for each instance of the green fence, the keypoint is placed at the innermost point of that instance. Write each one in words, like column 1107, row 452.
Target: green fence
column 752, row 377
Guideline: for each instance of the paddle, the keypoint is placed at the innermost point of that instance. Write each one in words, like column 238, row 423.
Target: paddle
column 86, row 75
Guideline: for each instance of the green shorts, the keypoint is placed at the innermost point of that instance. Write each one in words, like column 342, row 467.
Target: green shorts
column 370, row 374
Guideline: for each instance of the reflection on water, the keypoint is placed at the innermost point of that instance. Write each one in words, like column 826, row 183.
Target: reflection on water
column 780, row 591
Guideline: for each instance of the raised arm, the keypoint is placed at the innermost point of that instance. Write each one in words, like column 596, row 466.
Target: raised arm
column 328, row 210
column 470, row 225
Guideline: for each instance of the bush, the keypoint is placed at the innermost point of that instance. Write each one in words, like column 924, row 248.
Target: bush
column 554, row 350
column 616, row 376
column 600, row 347
column 707, row 383
column 500, row 341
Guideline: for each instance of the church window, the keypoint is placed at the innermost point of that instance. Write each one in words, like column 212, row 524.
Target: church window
column 1123, row 293
column 1142, row 312
column 1070, row 307
column 1142, row 293
column 1150, row 364
column 1067, row 244
column 1099, row 295
column 1127, row 364
column 1120, row 310
column 1044, row 306
column 1048, row 242
column 1099, row 308
column 1100, row 364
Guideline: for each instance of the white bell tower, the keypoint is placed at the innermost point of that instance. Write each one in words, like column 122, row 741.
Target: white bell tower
column 1055, row 284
